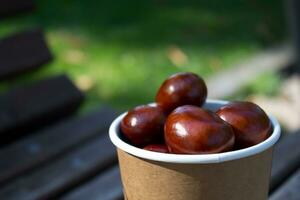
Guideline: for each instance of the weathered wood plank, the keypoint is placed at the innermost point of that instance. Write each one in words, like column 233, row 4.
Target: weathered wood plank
column 223, row 84
column 290, row 190
column 23, row 52
column 63, row 173
column 26, row 108
column 32, row 151
column 286, row 159
column 12, row 7
column 106, row 186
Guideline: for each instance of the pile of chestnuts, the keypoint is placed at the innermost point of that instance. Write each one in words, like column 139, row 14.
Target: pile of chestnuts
column 176, row 122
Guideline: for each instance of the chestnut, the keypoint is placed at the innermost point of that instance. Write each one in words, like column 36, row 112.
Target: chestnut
column 181, row 89
column 193, row 130
column 250, row 123
column 157, row 148
column 144, row 125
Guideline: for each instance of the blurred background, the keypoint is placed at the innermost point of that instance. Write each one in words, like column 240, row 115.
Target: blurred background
column 119, row 52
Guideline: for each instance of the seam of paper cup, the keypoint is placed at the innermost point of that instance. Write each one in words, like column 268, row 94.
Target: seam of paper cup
column 193, row 159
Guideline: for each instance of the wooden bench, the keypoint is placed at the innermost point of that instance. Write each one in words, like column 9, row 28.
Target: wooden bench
column 44, row 153
column 58, row 158
column 74, row 159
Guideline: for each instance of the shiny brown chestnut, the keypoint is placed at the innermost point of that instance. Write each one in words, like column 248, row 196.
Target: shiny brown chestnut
column 250, row 123
column 192, row 130
column 157, row 148
column 144, row 125
column 181, row 89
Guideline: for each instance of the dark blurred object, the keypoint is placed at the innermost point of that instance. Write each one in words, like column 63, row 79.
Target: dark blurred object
column 292, row 68
column 293, row 15
column 23, row 52
column 13, row 7
column 26, row 108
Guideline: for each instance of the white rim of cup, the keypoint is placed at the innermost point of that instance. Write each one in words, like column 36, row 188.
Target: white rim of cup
column 114, row 132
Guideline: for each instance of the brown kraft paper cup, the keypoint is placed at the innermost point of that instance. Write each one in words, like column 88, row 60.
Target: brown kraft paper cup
column 237, row 175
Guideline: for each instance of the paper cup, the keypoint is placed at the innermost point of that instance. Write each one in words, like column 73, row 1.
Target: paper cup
column 237, row 175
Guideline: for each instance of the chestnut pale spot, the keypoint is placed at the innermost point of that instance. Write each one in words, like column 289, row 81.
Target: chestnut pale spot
column 133, row 121
column 181, row 131
column 171, row 89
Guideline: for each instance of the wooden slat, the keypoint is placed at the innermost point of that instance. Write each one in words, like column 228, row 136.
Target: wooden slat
column 12, row 7
column 47, row 144
column 63, row 173
column 290, row 190
column 286, row 159
column 106, row 186
column 23, row 52
column 29, row 107
column 269, row 60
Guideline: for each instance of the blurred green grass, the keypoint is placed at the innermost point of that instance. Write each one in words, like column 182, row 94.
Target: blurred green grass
column 119, row 52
